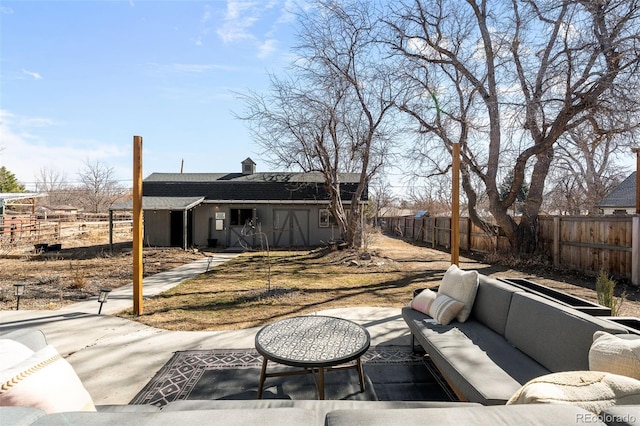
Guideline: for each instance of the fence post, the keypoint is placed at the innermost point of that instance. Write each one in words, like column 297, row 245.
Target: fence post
column 556, row 241
column 635, row 251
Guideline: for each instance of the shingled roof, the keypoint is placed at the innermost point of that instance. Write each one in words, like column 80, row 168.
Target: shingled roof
column 267, row 186
column 623, row 195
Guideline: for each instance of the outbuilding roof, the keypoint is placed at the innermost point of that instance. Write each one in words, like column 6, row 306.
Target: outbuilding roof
column 162, row 203
column 238, row 187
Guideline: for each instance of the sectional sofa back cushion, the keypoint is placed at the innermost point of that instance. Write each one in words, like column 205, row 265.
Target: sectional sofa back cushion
column 461, row 286
column 617, row 354
column 555, row 336
column 491, row 306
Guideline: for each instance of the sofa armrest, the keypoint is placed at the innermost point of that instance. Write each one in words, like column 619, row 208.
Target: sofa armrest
column 32, row 338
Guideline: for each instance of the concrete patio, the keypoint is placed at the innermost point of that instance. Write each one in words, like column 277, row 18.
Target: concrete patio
column 115, row 357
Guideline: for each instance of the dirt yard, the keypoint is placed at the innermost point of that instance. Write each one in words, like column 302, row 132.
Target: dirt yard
column 72, row 274
column 77, row 272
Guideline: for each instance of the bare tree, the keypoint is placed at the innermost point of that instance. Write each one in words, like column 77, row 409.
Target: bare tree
column 54, row 183
column 587, row 166
column 98, row 186
column 330, row 115
column 380, row 197
column 507, row 81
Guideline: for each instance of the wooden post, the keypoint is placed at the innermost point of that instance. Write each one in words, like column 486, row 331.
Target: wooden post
column 455, row 206
column 635, row 251
column 137, row 225
column 637, row 151
column 556, row 241
column 110, row 230
column 185, row 229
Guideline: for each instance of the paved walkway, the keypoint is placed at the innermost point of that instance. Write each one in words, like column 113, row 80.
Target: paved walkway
column 115, row 357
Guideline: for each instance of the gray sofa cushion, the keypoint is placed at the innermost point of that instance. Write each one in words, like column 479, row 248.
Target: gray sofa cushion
column 319, row 408
column 621, row 415
column 535, row 415
column 491, row 306
column 231, row 417
column 556, row 336
column 468, row 354
column 19, row 416
column 121, row 408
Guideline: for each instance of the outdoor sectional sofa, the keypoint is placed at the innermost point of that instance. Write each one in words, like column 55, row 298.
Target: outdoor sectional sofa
column 510, row 338
column 62, row 385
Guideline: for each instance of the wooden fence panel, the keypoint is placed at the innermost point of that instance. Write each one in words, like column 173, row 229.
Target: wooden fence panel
column 584, row 243
column 590, row 243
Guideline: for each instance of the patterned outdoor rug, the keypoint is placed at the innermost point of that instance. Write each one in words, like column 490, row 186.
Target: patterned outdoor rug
column 392, row 373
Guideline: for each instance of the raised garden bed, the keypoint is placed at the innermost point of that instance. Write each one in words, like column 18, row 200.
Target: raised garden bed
column 559, row 296
column 630, row 323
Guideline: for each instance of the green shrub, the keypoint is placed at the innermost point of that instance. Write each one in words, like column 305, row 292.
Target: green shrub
column 605, row 286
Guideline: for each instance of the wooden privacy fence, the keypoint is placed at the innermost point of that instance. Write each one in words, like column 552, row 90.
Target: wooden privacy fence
column 584, row 243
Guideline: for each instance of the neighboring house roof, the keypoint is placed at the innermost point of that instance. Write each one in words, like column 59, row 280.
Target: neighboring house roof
column 395, row 212
column 162, row 203
column 237, row 187
column 59, row 207
column 15, row 196
column 623, row 196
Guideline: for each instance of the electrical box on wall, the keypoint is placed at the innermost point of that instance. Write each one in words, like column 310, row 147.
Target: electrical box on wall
column 220, row 217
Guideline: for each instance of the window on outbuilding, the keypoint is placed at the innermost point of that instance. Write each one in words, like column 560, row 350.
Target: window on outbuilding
column 240, row 217
column 326, row 219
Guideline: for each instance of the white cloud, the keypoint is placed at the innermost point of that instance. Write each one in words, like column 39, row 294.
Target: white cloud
column 24, row 152
column 32, row 74
column 239, row 18
column 267, row 48
column 6, row 10
column 256, row 22
column 206, row 16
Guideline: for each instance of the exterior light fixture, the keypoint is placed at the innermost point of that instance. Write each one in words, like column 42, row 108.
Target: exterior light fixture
column 18, row 291
column 102, row 299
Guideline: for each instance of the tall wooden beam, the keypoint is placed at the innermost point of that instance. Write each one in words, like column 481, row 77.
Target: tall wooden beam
column 637, row 152
column 455, row 205
column 137, row 225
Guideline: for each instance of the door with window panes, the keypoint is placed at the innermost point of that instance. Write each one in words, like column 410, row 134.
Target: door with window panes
column 241, row 227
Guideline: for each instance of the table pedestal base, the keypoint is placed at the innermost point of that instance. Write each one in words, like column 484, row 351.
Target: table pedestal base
column 321, row 370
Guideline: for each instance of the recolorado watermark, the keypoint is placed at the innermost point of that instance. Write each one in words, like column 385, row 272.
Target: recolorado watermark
column 605, row 418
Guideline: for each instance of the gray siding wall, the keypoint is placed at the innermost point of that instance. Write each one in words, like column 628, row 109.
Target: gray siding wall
column 284, row 224
column 157, row 228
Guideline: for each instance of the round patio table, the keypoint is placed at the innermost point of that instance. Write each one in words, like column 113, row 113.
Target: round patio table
column 312, row 342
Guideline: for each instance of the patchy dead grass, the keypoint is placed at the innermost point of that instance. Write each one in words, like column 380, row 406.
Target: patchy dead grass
column 238, row 294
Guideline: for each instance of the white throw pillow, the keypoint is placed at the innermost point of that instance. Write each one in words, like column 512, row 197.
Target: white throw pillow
column 46, row 381
column 444, row 309
column 462, row 286
column 423, row 300
column 617, row 354
column 12, row 352
column 591, row 390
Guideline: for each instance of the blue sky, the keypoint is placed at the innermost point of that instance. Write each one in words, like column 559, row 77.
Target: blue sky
column 78, row 79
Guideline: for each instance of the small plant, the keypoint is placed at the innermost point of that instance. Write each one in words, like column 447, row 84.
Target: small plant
column 48, row 279
column 78, row 281
column 604, row 289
